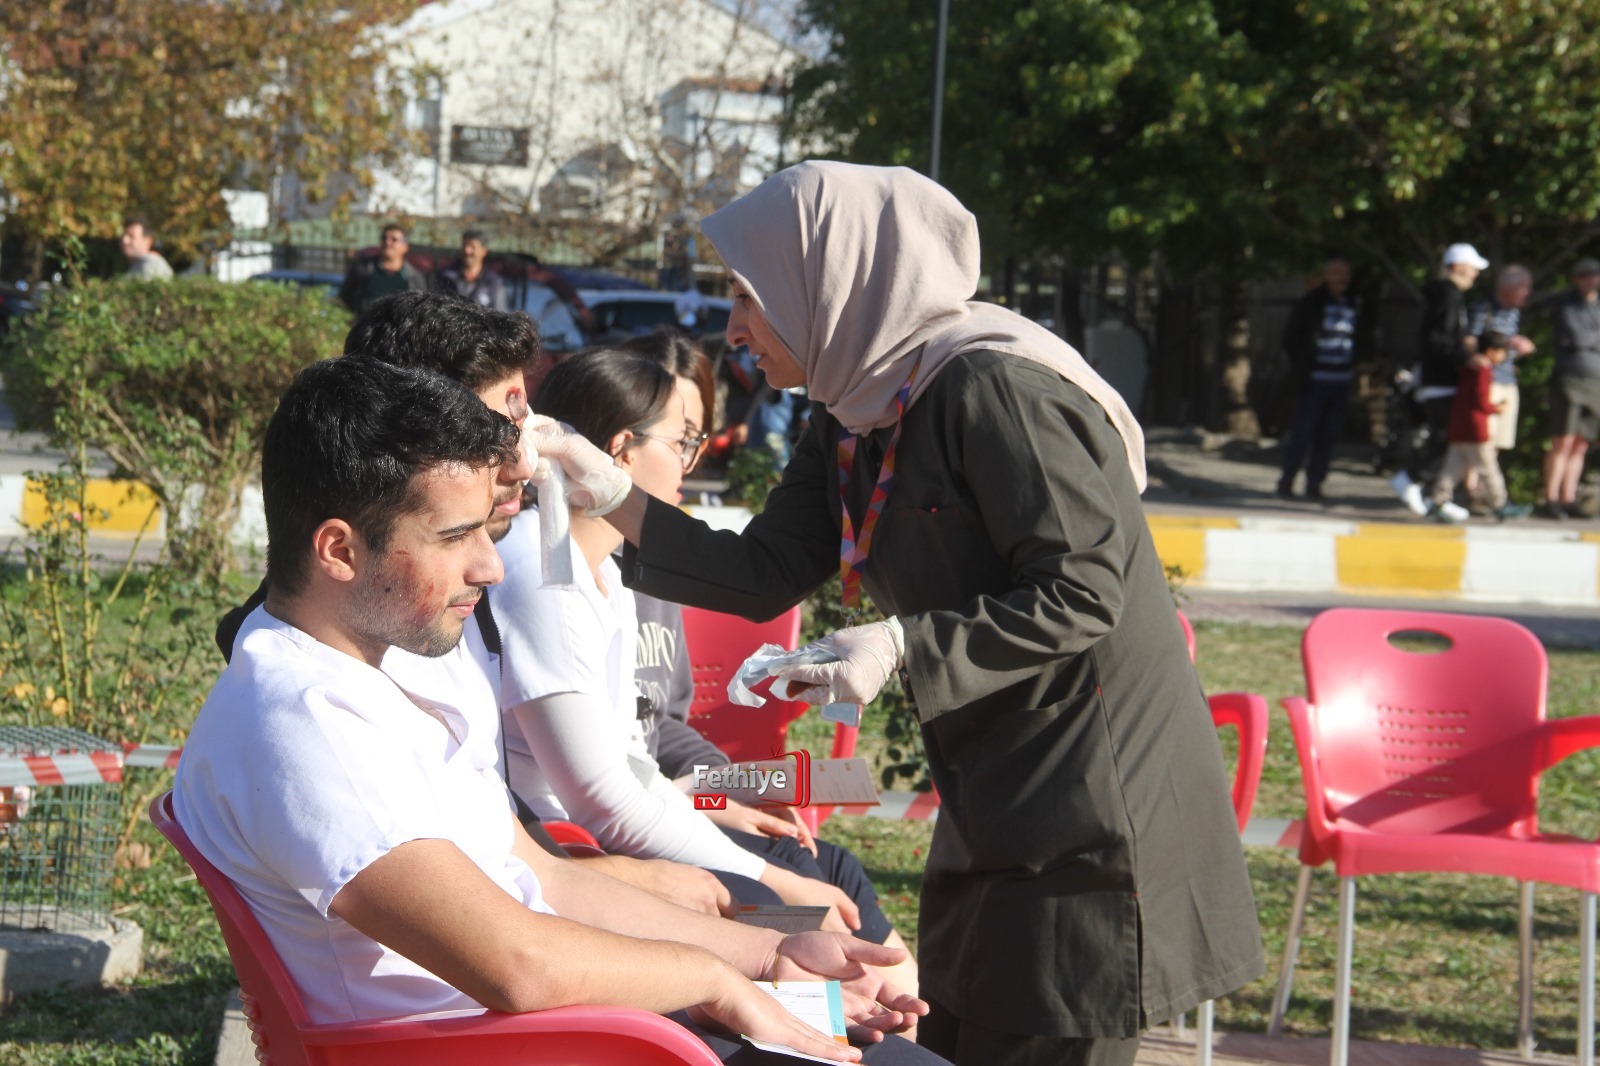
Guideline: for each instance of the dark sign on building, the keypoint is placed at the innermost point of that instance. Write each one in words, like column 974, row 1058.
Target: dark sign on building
column 494, row 146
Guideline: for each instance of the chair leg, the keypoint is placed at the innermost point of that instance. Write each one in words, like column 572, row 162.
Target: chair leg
column 1203, row 1026
column 1341, row 988
column 1525, row 970
column 1291, row 949
column 1586, row 983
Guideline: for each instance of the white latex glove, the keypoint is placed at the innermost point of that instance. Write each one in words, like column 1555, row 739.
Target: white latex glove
column 867, row 657
column 594, row 481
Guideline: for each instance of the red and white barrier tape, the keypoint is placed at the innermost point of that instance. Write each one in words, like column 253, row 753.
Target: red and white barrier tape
column 84, row 768
column 151, row 756
column 61, row 768
column 77, row 768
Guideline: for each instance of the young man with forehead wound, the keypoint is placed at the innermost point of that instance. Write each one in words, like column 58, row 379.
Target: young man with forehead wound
column 363, row 818
column 489, row 352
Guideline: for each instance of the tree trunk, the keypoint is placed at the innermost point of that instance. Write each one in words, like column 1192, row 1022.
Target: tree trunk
column 1238, row 416
column 33, row 259
column 1069, row 300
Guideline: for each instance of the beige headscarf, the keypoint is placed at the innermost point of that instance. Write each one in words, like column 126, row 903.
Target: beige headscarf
column 856, row 268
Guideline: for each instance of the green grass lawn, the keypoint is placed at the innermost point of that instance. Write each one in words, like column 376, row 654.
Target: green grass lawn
column 1435, row 955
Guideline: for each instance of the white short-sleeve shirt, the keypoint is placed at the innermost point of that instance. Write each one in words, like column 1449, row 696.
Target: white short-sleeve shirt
column 304, row 766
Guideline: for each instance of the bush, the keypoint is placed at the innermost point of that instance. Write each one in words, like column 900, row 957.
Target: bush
column 174, row 382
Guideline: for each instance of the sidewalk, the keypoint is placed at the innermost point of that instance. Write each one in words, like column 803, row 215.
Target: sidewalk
column 1214, row 512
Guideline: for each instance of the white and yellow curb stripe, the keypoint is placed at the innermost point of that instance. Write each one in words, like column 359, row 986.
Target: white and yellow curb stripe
column 1491, row 563
column 113, row 506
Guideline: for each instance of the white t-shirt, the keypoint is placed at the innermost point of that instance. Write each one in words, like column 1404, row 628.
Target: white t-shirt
column 305, row 766
column 591, row 767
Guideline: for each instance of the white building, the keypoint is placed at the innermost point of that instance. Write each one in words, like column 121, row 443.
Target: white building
column 603, row 107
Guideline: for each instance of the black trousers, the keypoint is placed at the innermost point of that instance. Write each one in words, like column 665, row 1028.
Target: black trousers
column 1317, row 422
column 969, row 1044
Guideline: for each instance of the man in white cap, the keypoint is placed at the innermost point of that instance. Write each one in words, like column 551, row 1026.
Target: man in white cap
column 1445, row 347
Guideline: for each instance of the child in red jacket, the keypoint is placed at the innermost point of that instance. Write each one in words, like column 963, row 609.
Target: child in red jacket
column 1472, row 453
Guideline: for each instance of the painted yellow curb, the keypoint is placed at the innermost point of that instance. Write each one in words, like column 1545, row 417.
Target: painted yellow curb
column 1185, row 548
column 1408, row 531
column 1168, row 521
column 1372, row 560
column 114, row 506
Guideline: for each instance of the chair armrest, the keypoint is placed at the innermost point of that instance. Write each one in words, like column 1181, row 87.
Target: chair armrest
column 1561, row 737
column 1246, row 712
column 616, row 1028
column 1313, row 850
column 565, row 833
column 844, row 740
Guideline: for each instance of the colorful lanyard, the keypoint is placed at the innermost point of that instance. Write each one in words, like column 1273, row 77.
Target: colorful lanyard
column 853, row 551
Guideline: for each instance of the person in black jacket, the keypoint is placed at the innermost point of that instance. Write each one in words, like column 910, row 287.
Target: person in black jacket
column 1444, row 349
column 369, row 278
column 470, row 278
column 1321, row 341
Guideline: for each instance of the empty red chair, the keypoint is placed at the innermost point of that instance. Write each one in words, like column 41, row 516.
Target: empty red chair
column 1430, row 761
column 1188, row 633
column 718, row 645
column 1248, row 714
column 602, row 1036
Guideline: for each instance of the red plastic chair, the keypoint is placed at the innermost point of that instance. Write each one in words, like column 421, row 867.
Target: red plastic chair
column 1188, row 633
column 1430, row 761
column 604, row 1036
column 1247, row 713
column 718, row 645
column 574, row 839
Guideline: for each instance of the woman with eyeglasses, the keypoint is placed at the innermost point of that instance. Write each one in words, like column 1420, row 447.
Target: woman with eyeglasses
column 969, row 470
column 575, row 727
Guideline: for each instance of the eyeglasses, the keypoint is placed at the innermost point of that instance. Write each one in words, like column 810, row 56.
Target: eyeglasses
column 688, row 447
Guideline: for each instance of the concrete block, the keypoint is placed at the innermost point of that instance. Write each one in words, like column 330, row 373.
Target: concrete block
column 36, row 960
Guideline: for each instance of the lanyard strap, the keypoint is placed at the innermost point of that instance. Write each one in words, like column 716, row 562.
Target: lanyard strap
column 853, row 551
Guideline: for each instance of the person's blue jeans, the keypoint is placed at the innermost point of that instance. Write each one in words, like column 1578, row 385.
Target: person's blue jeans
column 1315, row 431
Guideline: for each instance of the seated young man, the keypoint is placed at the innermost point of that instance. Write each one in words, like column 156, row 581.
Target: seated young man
column 492, row 353
column 367, row 825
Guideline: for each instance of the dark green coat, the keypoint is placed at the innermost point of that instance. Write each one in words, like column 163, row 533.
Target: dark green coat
column 1085, row 810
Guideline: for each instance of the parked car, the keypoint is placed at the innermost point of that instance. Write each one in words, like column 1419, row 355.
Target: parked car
column 306, row 279
column 628, row 312
column 15, row 303
column 559, row 328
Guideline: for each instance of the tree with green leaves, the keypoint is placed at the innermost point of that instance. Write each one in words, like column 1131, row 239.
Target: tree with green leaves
column 1229, row 138
column 1401, row 127
column 1229, row 131
column 1068, row 123
column 174, row 384
column 112, row 106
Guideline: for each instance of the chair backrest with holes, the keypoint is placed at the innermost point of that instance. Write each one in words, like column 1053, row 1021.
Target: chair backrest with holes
column 718, row 645
column 1433, row 735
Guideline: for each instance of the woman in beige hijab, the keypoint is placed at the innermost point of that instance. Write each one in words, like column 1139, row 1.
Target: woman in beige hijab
column 968, row 470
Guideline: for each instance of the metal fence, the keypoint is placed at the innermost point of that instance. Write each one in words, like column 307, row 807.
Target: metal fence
column 57, row 842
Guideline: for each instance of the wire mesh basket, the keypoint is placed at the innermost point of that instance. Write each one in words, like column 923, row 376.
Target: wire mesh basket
column 57, row 841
